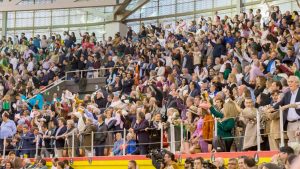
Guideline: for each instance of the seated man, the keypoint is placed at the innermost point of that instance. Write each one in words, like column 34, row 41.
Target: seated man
column 117, row 150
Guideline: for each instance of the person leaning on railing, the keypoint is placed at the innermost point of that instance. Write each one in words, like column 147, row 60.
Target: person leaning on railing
column 290, row 108
column 226, row 123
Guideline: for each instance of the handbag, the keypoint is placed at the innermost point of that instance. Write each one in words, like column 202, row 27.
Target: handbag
column 218, row 144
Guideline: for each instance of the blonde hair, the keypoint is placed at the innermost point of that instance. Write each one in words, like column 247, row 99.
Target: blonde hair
column 230, row 109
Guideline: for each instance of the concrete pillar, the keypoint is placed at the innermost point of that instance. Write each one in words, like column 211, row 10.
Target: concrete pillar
column 238, row 6
column 112, row 28
column 4, row 24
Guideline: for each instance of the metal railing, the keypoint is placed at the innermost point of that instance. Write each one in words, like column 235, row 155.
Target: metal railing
column 88, row 73
column 171, row 141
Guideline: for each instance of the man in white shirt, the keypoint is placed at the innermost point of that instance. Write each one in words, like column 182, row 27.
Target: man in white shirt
column 290, row 106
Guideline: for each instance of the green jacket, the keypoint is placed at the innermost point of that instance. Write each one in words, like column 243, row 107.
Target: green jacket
column 225, row 127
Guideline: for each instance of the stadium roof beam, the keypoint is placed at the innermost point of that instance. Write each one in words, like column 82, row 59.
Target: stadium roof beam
column 16, row 5
column 119, row 9
column 133, row 6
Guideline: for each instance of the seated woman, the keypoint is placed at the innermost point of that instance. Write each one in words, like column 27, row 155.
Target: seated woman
column 130, row 147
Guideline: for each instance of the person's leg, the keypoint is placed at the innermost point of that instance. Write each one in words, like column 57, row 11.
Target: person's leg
column 228, row 143
column 101, row 150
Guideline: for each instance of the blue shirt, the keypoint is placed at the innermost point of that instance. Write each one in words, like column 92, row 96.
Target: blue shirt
column 40, row 98
column 131, row 147
column 117, row 147
column 37, row 43
column 8, row 129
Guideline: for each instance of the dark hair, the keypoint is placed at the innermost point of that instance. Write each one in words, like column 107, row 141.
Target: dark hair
column 287, row 149
column 66, row 162
column 249, row 161
column 278, row 83
column 61, row 164
column 171, row 155
column 199, row 158
column 133, row 162
column 5, row 114
column 43, row 161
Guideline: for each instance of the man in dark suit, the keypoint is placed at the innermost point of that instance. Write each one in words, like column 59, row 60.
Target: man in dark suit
column 46, row 141
column 27, row 145
column 59, row 138
column 87, row 136
column 142, row 135
column 291, row 108
column 15, row 161
column 100, row 136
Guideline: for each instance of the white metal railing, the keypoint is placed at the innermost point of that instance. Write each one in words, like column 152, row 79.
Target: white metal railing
column 91, row 73
column 173, row 143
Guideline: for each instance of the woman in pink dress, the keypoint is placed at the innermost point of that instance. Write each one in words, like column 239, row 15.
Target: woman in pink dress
column 197, row 135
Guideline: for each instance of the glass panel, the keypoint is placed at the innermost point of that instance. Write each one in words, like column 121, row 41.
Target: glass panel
column 203, row 4
column 58, row 31
column 10, row 19
column 77, row 16
column 149, row 12
column 10, row 33
column 166, row 2
column 167, row 21
column 24, row 19
column 185, row 7
column 28, row 33
column 42, row 32
column 60, row 17
column 95, row 15
column 98, row 30
column 135, row 26
column 221, row 3
column 167, row 10
column 135, row 15
column 42, row 18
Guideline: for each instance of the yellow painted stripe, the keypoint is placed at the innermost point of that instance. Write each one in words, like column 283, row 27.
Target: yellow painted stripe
column 122, row 164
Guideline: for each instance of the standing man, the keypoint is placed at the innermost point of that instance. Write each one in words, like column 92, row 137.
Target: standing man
column 27, row 144
column 59, row 137
column 100, row 136
column 8, row 128
column 291, row 109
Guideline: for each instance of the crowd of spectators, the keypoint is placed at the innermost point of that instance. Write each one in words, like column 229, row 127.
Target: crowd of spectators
column 161, row 77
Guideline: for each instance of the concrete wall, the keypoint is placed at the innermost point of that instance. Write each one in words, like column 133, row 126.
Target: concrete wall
column 91, row 86
column 112, row 28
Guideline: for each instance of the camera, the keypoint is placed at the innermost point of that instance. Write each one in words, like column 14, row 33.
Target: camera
column 208, row 165
column 157, row 157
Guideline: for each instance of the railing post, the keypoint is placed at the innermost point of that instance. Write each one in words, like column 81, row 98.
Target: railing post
column 172, row 131
column 124, row 142
column 216, row 127
column 281, row 127
column 258, row 130
column 73, row 144
column 161, row 137
column 181, row 135
column 37, row 146
column 92, row 144
column 4, row 142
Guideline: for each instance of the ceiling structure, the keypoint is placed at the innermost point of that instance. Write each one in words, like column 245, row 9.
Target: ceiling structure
column 25, row 5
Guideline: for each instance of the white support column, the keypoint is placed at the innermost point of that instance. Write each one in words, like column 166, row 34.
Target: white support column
column 4, row 23
column 112, row 28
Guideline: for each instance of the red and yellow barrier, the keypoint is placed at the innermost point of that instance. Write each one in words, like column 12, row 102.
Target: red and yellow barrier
column 121, row 162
